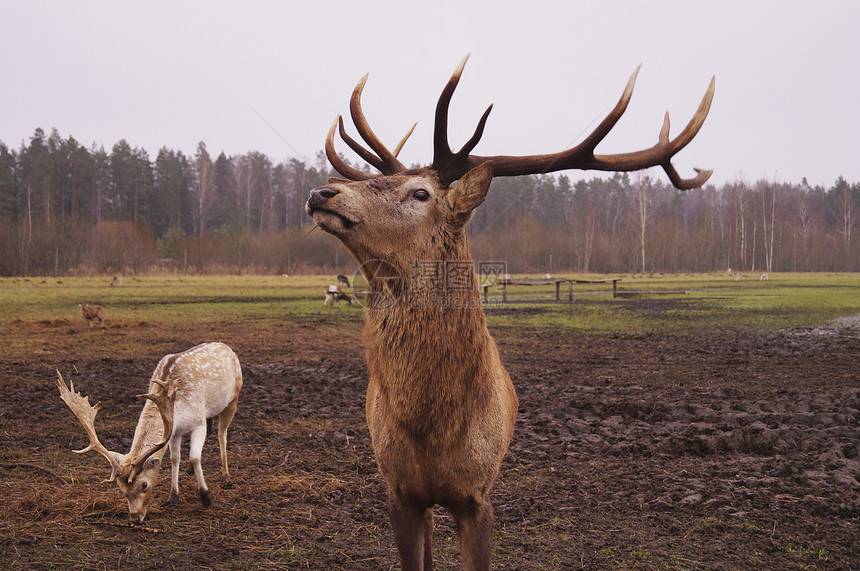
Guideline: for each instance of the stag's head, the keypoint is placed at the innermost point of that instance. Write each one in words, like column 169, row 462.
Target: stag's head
column 401, row 215
column 135, row 473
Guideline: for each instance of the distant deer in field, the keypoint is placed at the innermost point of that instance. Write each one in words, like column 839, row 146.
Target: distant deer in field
column 116, row 281
column 440, row 405
column 94, row 314
column 185, row 390
column 341, row 279
column 334, row 295
column 763, row 276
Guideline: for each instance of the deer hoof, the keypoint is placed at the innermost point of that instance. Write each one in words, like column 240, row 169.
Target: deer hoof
column 205, row 498
column 172, row 501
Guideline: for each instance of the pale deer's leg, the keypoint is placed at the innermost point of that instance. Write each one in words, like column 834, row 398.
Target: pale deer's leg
column 224, row 420
column 413, row 530
column 475, row 531
column 190, row 469
column 195, row 454
column 175, row 458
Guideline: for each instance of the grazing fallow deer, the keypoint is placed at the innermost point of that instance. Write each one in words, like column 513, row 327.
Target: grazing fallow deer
column 185, row 390
column 93, row 314
column 440, row 405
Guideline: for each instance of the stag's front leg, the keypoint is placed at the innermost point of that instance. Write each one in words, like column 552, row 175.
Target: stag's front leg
column 413, row 533
column 195, row 454
column 475, row 529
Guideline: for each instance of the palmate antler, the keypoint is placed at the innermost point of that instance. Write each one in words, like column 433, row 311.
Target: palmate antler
column 450, row 166
column 86, row 415
column 164, row 399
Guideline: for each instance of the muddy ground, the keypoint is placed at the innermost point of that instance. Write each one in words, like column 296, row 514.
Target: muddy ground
column 722, row 451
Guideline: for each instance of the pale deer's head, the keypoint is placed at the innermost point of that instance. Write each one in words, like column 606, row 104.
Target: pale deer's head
column 135, row 473
column 402, row 215
column 138, row 489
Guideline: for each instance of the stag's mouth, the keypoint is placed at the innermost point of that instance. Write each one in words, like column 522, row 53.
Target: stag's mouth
column 332, row 221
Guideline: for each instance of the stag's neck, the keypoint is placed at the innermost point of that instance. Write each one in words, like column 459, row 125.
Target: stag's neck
column 427, row 338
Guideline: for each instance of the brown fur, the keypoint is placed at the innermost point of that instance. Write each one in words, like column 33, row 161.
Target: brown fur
column 93, row 314
column 440, row 405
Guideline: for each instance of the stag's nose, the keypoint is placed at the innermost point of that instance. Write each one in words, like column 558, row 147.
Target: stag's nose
column 319, row 196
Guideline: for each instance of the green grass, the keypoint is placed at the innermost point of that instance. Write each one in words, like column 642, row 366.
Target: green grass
column 709, row 301
column 706, row 301
column 206, row 298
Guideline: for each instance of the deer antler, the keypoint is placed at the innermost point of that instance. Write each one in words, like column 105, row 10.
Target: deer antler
column 451, row 166
column 86, row 415
column 384, row 160
column 164, row 399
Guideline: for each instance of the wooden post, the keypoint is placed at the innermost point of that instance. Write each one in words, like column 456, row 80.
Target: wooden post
column 614, row 288
column 557, row 288
column 569, row 290
column 505, row 291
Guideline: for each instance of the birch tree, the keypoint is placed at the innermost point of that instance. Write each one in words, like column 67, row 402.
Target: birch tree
column 204, row 187
column 642, row 197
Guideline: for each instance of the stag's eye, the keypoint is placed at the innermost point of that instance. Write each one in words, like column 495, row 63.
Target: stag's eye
column 144, row 486
column 421, row 195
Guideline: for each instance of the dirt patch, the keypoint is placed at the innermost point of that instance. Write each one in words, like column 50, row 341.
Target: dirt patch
column 732, row 451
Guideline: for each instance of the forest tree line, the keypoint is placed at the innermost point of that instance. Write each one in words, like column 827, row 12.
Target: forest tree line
column 70, row 209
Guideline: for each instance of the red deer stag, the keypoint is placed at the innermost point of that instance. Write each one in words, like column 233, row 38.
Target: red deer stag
column 186, row 389
column 440, row 405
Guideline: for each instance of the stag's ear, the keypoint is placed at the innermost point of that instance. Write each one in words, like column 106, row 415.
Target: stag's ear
column 470, row 192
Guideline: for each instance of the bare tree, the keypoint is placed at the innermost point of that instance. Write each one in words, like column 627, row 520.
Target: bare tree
column 642, row 198
column 846, row 216
column 768, row 193
column 803, row 227
column 205, row 186
column 739, row 205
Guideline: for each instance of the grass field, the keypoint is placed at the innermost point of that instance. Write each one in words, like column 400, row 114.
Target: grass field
column 710, row 300
column 718, row 428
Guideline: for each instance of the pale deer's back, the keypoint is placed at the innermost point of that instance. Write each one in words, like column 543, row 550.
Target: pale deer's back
column 207, row 379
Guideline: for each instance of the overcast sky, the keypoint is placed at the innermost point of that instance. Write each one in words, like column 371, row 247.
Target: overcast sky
column 272, row 76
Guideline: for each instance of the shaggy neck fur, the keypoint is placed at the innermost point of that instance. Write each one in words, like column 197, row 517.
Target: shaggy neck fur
column 427, row 345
